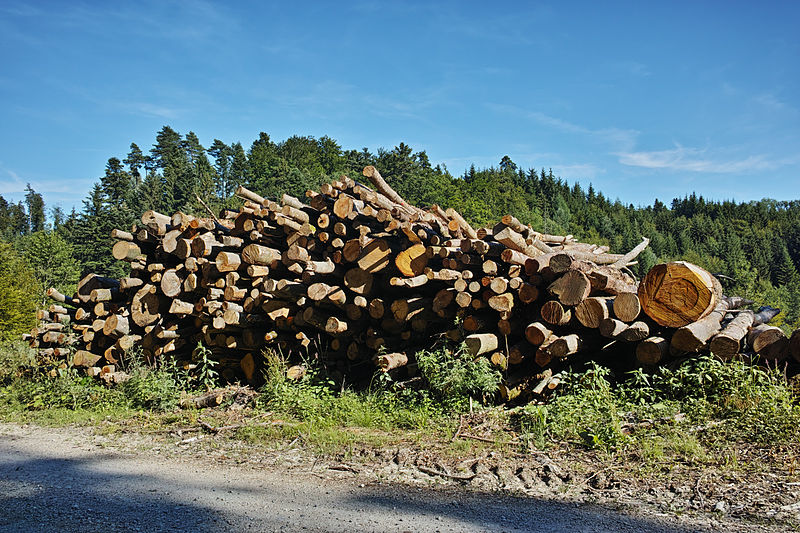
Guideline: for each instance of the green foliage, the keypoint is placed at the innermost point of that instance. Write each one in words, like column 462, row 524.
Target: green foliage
column 15, row 356
column 314, row 400
column 19, row 293
column 68, row 390
column 205, row 375
column 588, row 410
column 754, row 404
column 700, row 403
column 453, row 377
column 150, row 388
column 52, row 259
column 35, row 204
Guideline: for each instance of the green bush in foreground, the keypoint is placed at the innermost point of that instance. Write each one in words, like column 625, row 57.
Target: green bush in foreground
column 745, row 403
column 315, row 399
column 453, row 377
column 19, row 294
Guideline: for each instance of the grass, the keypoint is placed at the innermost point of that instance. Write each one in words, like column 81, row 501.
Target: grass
column 696, row 413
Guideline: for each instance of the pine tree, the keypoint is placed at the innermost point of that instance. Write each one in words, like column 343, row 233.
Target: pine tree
column 782, row 269
column 35, row 204
column 222, row 155
column 135, row 160
column 52, row 260
column 169, row 156
column 240, row 169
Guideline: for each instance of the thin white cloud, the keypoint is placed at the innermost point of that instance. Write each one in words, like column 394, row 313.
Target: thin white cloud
column 695, row 160
column 151, row 110
column 771, row 102
column 620, row 139
column 579, row 171
column 20, row 9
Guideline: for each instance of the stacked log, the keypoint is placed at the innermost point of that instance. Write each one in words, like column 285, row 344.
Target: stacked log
column 362, row 280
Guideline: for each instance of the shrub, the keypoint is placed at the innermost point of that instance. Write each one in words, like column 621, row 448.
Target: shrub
column 588, row 409
column 151, row 389
column 453, row 377
column 19, row 292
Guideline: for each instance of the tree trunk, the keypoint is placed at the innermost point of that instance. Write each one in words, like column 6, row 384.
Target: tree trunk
column 728, row 342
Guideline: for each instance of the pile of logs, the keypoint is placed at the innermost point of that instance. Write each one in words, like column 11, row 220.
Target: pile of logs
column 360, row 279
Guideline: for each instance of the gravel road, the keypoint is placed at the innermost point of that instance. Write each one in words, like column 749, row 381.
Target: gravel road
column 61, row 480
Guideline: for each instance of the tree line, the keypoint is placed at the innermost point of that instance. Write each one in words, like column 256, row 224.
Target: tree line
column 754, row 246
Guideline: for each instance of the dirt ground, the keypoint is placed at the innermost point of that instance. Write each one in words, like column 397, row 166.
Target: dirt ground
column 90, row 479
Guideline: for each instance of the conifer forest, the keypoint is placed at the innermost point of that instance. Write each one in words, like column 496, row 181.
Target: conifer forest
column 752, row 247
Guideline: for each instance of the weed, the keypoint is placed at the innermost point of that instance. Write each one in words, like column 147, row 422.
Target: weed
column 15, row 356
column 453, row 377
column 206, row 374
column 588, row 410
column 149, row 388
column 67, row 390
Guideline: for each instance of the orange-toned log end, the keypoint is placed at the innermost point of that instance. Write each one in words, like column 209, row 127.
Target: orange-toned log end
column 412, row 261
column 678, row 293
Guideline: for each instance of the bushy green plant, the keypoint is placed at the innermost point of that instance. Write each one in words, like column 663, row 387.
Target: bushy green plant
column 206, row 375
column 588, row 409
column 304, row 398
column 15, row 355
column 68, row 389
column 19, row 292
column 317, row 401
column 453, row 377
column 752, row 402
column 152, row 389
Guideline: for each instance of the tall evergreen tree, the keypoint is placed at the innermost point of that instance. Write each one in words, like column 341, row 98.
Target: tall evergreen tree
column 135, row 161
column 36, row 214
column 222, row 155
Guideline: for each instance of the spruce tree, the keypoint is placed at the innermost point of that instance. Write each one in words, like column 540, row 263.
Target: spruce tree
column 35, row 205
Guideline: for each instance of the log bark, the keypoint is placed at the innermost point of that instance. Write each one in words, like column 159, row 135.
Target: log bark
column 694, row 336
column 565, row 346
column 652, row 351
column 381, row 186
column 728, row 342
column 391, row 361
column 635, row 332
column 611, row 327
column 769, row 342
column 515, row 241
column 256, row 254
column 480, row 343
column 375, row 256
column 794, row 345
column 116, row 326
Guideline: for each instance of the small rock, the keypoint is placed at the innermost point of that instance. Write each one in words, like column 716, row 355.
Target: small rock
column 721, row 507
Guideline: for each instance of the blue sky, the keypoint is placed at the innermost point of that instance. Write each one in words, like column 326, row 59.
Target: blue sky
column 642, row 100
